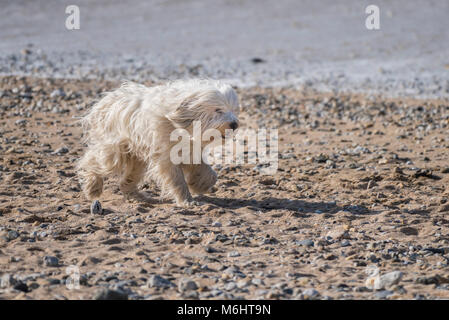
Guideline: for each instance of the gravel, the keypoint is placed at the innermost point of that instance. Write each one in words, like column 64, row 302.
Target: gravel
column 261, row 242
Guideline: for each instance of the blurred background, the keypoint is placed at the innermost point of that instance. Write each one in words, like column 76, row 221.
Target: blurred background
column 321, row 44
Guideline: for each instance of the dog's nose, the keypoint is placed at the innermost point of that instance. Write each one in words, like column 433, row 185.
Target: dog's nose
column 234, row 125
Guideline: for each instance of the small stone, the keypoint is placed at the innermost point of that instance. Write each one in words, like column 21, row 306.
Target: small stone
column 21, row 122
column 216, row 224
column 159, row 282
column 310, row 293
column 345, row 243
column 436, row 279
column 267, row 181
column 233, row 271
column 387, row 280
column 230, row 286
column 233, row 254
column 361, row 289
column 12, row 235
column 383, row 294
column 337, row 234
column 409, row 231
column 54, row 281
column 61, row 150
column 187, row 285
column 57, row 93
column 108, row 294
column 242, row 283
column 209, row 249
column 305, row 243
column 95, row 207
column 257, row 281
column 50, row 261
column 216, row 293
column 191, row 295
column 257, row 60
column 20, row 286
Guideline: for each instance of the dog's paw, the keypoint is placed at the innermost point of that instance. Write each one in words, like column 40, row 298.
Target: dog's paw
column 203, row 186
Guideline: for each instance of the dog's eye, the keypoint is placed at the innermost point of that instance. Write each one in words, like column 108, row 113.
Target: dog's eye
column 219, row 111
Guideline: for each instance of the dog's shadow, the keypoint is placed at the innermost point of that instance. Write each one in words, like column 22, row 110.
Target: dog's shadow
column 300, row 207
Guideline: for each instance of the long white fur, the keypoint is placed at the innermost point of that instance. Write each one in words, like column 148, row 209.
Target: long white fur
column 128, row 132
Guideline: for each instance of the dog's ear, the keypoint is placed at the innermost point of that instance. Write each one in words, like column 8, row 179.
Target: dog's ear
column 184, row 114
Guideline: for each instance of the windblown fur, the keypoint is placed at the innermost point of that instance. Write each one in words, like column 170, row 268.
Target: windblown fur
column 128, row 135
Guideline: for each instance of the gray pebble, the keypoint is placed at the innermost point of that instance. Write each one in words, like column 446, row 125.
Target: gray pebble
column 233, row 254
column 306, row 243
column 57, row 93
column 383, row 294
column 230, row 286
column 242, row 284
column 159, row 282
column 345, row 243
column 187, row 285
column 216, row 224
column 310, row 293
column 50, row 261
column 61, row 150
column 12, row 235
column 216, row 293
column 108, row 294
column 95, row 207
column 21, row 122
column 257, row 281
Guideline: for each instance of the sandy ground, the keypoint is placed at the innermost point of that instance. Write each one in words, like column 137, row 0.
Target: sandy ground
column 356, row 209
column 362, row 184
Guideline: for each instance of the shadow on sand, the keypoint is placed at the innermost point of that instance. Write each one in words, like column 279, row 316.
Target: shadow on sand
column 298, row 206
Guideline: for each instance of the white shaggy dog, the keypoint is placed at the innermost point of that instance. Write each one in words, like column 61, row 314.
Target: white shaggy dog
column 128, row 134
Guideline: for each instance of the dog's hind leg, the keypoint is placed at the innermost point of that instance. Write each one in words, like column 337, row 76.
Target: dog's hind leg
column 89, row 172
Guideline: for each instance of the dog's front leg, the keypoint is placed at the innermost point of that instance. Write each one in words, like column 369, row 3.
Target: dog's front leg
column 199, row 177
column 175, row 184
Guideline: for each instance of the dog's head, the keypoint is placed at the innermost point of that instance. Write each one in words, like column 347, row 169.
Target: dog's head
column 215, row 105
